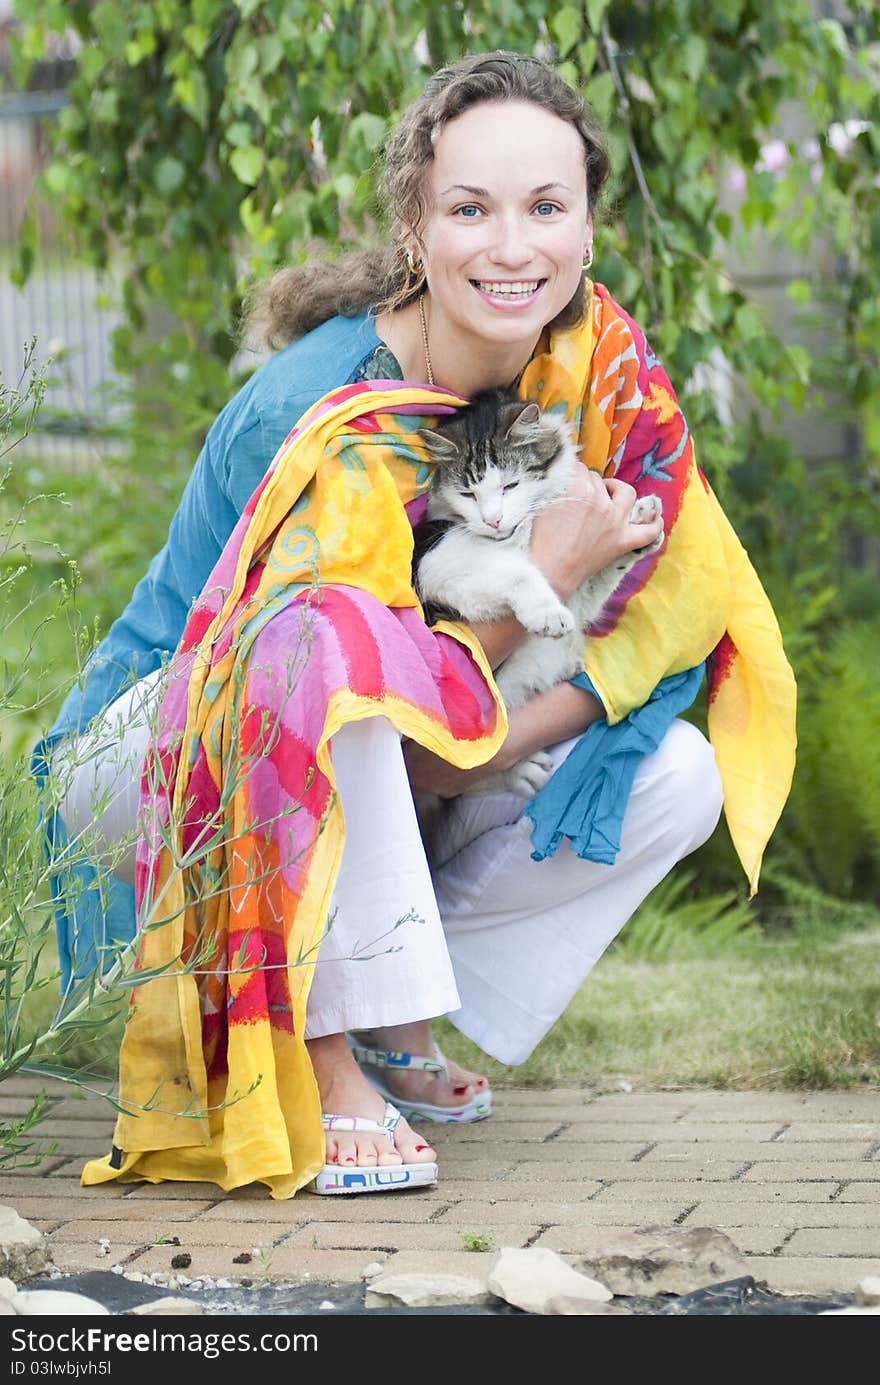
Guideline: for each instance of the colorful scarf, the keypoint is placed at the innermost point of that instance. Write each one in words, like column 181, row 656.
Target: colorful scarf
column 310, row 621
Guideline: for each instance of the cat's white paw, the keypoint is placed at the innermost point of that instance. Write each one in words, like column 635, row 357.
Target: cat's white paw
column 529, row 775
column 555, row 622
column 646, row 509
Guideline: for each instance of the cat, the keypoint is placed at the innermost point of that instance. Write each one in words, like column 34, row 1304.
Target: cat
column 498, row 461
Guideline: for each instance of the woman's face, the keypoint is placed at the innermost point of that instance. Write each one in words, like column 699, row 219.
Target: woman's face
column 507, row 222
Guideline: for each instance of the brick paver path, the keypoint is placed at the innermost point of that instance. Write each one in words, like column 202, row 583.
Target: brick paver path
column 792, row 1177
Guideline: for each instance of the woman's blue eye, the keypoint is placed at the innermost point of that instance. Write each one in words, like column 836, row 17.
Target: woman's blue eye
column 546, row 207
column 467, row 210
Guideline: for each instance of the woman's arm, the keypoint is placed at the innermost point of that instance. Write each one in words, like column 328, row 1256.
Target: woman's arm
column 555, row 715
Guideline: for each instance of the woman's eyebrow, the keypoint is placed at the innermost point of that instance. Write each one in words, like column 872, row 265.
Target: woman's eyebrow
column 484, row 192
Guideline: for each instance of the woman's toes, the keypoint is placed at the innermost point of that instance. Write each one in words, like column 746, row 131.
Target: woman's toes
column 414, row 1149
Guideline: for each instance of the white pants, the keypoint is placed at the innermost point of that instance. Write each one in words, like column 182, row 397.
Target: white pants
column 495, row 940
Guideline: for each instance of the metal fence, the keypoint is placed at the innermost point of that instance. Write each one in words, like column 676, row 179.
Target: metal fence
column 62, row 303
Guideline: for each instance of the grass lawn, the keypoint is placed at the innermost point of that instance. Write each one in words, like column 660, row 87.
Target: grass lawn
column 794, row 1013
column 799, row 1012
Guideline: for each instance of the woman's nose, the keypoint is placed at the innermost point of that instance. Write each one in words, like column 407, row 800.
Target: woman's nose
column 511, row 245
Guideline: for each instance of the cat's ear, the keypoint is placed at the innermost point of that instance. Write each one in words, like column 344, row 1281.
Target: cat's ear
column 524, row 415
column 440, row 447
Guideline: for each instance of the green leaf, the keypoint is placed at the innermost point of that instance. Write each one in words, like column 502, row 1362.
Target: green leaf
column 566, row 27
column 800, row 290
column 168, row 175
column 596, row 11
column 247, row 164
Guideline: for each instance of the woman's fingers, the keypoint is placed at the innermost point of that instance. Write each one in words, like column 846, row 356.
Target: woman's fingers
column 586, row 529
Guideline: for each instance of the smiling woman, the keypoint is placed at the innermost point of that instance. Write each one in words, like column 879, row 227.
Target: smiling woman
column 262, row 1045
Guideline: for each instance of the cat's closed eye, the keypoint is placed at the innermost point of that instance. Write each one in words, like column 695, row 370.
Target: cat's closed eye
column 511, row 485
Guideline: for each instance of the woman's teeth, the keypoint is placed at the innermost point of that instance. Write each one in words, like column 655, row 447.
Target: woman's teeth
column 507, row 290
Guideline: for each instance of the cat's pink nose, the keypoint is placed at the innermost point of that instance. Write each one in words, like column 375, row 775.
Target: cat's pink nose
column 493, row 521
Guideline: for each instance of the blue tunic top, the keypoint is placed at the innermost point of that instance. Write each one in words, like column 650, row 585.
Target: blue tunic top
column 239, row 447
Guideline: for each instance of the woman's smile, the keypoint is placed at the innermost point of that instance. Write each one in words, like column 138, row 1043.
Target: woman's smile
column 508, row 294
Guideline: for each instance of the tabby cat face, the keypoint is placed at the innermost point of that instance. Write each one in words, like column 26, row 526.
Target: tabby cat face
column 495, row 462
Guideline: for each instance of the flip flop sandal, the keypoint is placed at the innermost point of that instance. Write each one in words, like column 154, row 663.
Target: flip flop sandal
column 383, row 1178
column 369, row 1059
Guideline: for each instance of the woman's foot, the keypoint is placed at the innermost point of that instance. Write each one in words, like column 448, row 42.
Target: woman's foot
column 346, row 1092
column 459, row 1088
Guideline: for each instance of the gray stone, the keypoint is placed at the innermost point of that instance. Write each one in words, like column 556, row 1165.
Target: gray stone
column 24, row 1251
column 663, row 1260
column 424, row 1290
column 563, row 1305
column 33, row 1303
column 868, row 1291
column 533, row 1277
column 370, row 1271
column 172, row 1307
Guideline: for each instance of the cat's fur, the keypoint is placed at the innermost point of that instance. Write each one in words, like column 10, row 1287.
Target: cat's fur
column 497, row 463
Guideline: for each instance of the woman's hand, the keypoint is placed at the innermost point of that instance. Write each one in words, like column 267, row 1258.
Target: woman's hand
column 586, row 529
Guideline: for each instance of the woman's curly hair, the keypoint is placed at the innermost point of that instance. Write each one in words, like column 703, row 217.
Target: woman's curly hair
column 298, row 298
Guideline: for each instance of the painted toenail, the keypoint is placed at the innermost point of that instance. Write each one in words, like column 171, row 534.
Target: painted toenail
column 459, row 1091
column 349, row 1158
column 419, row 1148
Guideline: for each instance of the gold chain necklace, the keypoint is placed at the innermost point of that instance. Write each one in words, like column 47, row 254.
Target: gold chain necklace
column 429, row 369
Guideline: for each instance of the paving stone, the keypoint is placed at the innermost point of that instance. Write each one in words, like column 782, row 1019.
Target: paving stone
column 805, row 1171
column 695, row 1192
column 525, row 1113
column 499, row 1132
column 45, row 1166
column 474, row 1169
column 663, row 1105
column 177, row 1192
column 784, row 1216
column 116, row 1209
column 440, row 1262
column 458, row 1154
column 475, row 1214
column 861, row 1192
column 96, row 1132
column 603, row 1171
column 410, row 1206
column 769, row 1151
column 560, row 1096
column 381, row 1236
column 814, row 1106
column 837, row 1241
column 159, row 1234
column 831, row 1130
column 27, row 1085
column 83, row 1147
column 651, row 1132
column 507, row 1191
column 790, row 1275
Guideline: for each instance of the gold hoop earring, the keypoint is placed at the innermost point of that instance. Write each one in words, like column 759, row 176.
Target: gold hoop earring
column 414, row 266
column 588, row 258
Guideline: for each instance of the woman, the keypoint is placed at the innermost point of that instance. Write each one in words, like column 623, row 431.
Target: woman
column 493, row 176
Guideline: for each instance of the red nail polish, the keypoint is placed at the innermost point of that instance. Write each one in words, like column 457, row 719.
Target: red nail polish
column 349, row 1158
column 459, row 1091
column 419, row 1148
